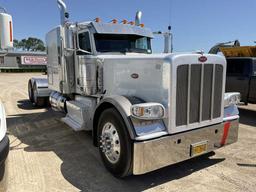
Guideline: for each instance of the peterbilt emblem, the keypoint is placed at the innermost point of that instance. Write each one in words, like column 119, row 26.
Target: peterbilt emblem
column 135, row 76
column 202, row 59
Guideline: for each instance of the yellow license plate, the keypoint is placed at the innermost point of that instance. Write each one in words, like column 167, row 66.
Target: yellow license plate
column 198, row 148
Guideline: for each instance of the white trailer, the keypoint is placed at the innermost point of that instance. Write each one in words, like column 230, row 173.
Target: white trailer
column 145, row 111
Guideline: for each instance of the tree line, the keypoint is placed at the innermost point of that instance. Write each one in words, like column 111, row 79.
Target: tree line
column 29, row 44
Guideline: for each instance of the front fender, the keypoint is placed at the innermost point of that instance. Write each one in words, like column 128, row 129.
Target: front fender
column 122, row 104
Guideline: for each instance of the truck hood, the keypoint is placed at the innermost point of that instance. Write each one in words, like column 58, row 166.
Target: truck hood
column 184, row 83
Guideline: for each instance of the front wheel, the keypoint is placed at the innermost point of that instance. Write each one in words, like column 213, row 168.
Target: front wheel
column 115, row 145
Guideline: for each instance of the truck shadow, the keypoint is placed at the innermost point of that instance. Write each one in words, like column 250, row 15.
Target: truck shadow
column 81, row 164
column 247, row 116
column 26, row 105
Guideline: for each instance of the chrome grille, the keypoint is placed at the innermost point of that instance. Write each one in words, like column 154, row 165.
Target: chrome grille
column 198, row 93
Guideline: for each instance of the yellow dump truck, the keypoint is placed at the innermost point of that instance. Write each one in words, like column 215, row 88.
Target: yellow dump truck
column 241, row 69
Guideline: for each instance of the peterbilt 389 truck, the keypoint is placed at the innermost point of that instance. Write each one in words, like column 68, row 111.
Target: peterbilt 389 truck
column 145, row 111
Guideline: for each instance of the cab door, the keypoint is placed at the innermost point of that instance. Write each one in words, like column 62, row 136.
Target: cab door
column 252, row 91
column 86, row 68
column 238, row 77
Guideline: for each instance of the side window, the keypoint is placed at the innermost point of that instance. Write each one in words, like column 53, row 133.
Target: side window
column 238, row 67
column 84, row 43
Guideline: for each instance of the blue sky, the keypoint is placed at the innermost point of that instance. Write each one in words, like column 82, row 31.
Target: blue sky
column 196, row 25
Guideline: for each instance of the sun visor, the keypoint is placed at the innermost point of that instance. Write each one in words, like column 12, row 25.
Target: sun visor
column 110, row 28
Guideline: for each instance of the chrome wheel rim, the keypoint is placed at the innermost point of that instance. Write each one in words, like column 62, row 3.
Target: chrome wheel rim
column 110, row 142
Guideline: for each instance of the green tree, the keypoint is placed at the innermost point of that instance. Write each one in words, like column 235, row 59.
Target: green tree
column 15, row 43
column 30, row 44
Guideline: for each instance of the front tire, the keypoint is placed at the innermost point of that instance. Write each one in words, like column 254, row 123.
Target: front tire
column 115, row 145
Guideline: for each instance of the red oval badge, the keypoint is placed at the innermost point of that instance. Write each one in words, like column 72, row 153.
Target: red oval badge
column 135, row 76
column 202, row 59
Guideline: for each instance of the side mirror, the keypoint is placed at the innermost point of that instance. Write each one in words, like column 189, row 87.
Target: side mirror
column 6, row 31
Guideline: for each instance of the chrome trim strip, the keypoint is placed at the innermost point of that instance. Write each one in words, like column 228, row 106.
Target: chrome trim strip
column 231, row 118
column 151, row 136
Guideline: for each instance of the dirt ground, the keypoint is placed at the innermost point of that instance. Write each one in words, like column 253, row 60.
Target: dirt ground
column 46, row 155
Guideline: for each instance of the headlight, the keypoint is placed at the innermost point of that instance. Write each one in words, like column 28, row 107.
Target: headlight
column 148, row 111
column 231, row 99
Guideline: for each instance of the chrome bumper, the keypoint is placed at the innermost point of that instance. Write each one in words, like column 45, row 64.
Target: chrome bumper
column 154, row 154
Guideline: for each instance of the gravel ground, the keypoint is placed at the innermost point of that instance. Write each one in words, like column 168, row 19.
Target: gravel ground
column 46, row 155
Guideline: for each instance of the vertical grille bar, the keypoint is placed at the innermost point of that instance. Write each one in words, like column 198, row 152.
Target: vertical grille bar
column 207, row 90
column 188, row 99
column 195, row 88
column 218, row 91
column 201, row 94
column 182, row 95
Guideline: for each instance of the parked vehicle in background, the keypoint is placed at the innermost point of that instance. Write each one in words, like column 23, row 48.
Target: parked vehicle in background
column 241, row 69
column 241, row 77
column 145, row 110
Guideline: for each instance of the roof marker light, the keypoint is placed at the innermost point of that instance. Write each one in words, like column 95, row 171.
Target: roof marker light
column 97, row 19
column 142, row 25
column 131, row 23
column 114, row 21
column 124, row 21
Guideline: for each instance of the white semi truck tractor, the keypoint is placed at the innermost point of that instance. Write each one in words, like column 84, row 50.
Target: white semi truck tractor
column 146, row 111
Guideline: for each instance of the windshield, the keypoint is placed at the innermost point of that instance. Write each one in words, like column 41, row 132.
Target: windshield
column 122, row 43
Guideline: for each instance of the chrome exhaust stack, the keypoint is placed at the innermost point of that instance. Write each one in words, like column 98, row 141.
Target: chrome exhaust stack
column 64, row 15
column 138, row 18
column 168, row 40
